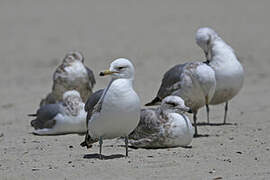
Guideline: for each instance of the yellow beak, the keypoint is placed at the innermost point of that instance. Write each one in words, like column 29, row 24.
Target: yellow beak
column 107, row 72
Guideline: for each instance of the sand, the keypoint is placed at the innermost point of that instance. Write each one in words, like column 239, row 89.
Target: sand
column 155, row 35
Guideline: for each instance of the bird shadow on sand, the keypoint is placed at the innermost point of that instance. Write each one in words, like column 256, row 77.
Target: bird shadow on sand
column 60, row 134
column 201, row 135
column 216, row 124
column 157, row 148
column 104, row 157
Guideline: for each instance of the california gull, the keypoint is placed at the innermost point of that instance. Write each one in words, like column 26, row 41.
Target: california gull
column 194, row 82
column 164, row 127
column 61, row 118
column 228, row 70
column 72, row 74
column 117, row 112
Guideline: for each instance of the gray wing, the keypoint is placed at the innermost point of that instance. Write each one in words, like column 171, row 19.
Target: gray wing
column 148, row 126
column 45, row 116
column 168, row 84
column 169, row 79
column 89, row 107
column 91, row 102
column 91, row 77
column 49, row 99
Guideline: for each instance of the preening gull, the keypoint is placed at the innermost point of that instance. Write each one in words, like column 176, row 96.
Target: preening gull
column 228, row 70
column 117, row 112
column 194, row 82
column 72, row 74
column 164, row 127
column 61, row 118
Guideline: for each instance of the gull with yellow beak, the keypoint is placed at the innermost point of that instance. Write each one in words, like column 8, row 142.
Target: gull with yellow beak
column 115, row 111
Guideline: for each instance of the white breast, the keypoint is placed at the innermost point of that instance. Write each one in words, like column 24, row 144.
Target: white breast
column 229, row 74
column 120, row 112
column 180, row 130
column 76, row 70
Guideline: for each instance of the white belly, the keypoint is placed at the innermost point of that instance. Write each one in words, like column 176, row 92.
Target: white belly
column 229, row 81
column 180, row 132
column 120, row 113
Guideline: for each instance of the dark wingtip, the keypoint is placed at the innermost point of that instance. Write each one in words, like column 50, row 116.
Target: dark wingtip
column 149, row 104
column 153, row 102
column 34, row 124
column 84, row 144
column 207, row 62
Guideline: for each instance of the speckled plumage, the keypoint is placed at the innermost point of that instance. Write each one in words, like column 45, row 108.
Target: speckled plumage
column 194, row 82
column 163, row 127
column 72, row 74
column 67, row 116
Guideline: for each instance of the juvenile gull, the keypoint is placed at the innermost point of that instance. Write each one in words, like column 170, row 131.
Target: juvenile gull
column 164, row 127
column 72, row 74
column 194, row 82
column 117, row 112
column 228, row 70
column 61, row 118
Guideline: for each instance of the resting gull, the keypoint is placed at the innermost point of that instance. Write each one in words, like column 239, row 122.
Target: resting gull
column 228, row 70
column 117, row 112
column 72, row 74
column 164, row 127
column 61, row 118
column 194, row 82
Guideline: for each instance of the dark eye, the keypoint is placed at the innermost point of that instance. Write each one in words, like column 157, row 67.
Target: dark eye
column 75, row 56
column 172, row 103
column 121, row 68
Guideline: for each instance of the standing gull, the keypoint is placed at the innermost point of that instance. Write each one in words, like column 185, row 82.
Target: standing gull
column 228, row 70
column 61, row 118
column 117, row 112
column 164, row 127
column 72, row 74
column 194, row 82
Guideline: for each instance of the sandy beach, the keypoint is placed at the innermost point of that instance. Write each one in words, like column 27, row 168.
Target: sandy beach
column 155, row 35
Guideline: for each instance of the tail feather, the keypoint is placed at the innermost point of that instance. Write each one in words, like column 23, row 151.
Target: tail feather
column 154, row 102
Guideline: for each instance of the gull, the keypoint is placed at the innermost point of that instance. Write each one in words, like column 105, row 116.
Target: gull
column 72, row 74
column 63, row 117
column 194, row 82
column 228, row 70
column 115, row 111
column 163, row 127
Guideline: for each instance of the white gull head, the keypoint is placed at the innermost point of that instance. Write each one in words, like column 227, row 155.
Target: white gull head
column 174, row 104
column 73, row 56
column 72, row 93
column 73, row 102
column 204, row 38
column 120, row 68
